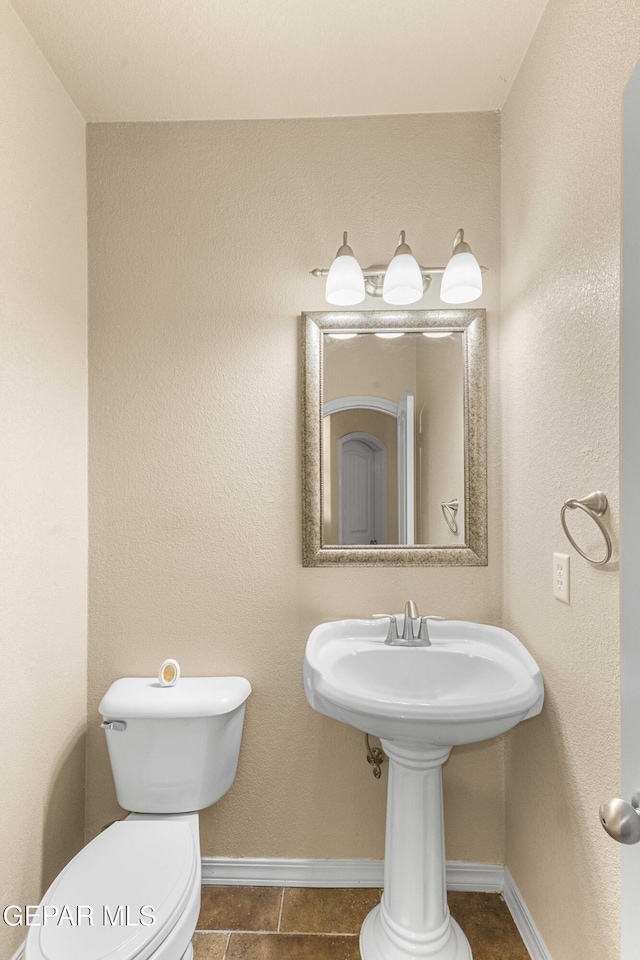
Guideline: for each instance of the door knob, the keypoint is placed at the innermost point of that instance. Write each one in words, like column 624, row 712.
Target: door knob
column 621, row 820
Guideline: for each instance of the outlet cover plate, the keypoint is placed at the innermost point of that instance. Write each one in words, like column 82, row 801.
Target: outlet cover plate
column 561, row 576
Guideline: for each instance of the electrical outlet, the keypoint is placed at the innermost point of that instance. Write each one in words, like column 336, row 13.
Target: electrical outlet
column 561, row 576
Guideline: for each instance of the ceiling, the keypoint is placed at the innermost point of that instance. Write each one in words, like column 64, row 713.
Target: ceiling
column 236, row 59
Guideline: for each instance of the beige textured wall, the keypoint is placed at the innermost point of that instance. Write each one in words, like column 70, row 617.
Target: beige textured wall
column 202, row 236
column 559, row 349
column 368, row 365
column 43, row 428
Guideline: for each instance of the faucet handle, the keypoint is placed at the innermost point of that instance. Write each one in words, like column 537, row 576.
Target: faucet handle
column 423, row 633
column 392, row 633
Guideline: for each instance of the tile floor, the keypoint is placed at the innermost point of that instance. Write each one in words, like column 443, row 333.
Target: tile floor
column 292, row 923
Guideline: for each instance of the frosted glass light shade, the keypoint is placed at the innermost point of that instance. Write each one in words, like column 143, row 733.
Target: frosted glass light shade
column 462, row 279
column 345, row 282
column 403, row 279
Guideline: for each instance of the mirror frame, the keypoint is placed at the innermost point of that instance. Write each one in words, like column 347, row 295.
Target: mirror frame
column 473, row 552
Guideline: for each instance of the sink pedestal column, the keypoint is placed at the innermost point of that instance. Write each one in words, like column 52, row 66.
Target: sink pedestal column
column 413, row 920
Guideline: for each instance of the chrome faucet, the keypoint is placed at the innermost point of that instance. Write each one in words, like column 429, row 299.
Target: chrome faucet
column 410, row 614
column 411, row 617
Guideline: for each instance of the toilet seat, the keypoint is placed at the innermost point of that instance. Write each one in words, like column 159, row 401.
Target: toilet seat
column 134, row 863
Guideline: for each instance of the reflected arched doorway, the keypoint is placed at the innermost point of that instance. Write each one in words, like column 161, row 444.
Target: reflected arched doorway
column 404, row 456
column 362, row 489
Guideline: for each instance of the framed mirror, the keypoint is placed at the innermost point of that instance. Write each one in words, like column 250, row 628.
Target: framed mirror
column 394, row 438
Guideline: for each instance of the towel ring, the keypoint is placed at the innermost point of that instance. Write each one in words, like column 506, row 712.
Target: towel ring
column 450, row 510
column 595, row 506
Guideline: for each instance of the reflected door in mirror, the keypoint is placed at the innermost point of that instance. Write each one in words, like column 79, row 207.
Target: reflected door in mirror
column 362, row 489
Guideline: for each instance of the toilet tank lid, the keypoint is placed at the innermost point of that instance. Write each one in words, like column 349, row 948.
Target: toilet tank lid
column 143, row 698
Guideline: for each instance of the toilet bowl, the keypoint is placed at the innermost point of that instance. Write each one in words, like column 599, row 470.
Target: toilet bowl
column 133, row 893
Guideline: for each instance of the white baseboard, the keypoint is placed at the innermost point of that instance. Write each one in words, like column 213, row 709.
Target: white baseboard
column 482, row 877
column 523, row 919
column 284, row 872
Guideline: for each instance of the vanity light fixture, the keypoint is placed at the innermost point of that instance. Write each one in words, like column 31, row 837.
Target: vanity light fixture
column 345, row 282
column 390, row 334
column 436, row 334
column 403, row 281
column 403, row 278
column 343, row 336
column 462, row 278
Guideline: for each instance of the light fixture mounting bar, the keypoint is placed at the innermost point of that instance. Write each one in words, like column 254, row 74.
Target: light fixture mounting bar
column 379, row 270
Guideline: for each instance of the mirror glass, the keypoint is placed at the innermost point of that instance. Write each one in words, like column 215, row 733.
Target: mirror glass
column 394, row 422
column 393, row 438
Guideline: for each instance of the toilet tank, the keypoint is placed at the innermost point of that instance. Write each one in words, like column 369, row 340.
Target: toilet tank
column 173, row 749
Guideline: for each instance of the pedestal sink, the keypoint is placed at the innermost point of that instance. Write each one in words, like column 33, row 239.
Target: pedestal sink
column 472, row 683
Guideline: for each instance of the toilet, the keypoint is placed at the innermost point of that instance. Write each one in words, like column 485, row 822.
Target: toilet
column 173, row 751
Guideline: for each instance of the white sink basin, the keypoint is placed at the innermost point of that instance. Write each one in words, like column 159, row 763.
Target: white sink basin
column 474, row 682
